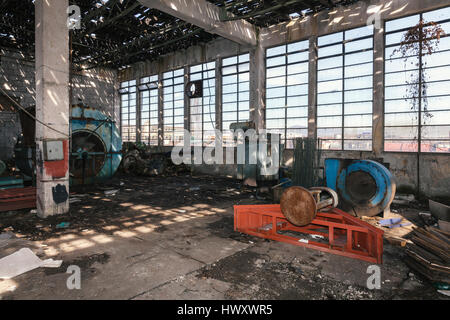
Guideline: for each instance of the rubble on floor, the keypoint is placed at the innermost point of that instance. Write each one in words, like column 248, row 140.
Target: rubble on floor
column 172, row 237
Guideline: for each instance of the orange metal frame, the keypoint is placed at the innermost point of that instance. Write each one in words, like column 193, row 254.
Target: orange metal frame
column 342, row 233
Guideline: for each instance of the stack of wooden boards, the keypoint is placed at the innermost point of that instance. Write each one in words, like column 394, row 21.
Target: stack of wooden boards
column 429, row 253
column 16, row 199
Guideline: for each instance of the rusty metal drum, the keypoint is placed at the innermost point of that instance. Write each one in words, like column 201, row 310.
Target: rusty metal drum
column 298, row 206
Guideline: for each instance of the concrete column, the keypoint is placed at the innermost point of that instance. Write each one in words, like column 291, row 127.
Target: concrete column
column 258, row 86
column 378, row 92
column 312, row 88
column 52, row 107
column 160, row 110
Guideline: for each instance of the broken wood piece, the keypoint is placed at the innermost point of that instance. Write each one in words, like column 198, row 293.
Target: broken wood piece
column 396, row 241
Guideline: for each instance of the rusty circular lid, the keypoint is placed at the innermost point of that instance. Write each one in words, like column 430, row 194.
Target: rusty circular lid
column 298, row 206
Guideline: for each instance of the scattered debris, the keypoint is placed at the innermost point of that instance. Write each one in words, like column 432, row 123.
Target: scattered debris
column 23, row 261
column 394, row 233
column 444, row 226
column 111, row 193
column 396, row 240
column 139, row 160
column 439, row 210
column 427, row 218
column 404, row 199
column 444, row 292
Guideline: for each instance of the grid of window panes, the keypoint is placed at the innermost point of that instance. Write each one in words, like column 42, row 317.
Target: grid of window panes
column 345, row 90
column 287, row 76
column 148, row 91
column 128, row 110
column 417, row 122
column 235, row 93
column 203, row 109
column 173, row 107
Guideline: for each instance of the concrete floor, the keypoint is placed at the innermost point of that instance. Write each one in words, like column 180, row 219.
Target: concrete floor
column 173, row 238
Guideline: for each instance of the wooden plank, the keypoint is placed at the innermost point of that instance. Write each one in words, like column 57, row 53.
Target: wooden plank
column 428, row 246
column 435, row 232
column 434, row 241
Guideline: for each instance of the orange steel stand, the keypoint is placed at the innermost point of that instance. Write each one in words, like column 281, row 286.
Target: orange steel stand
column 342, row 233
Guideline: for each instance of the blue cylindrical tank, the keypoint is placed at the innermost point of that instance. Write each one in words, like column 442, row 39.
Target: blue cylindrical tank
column 364, row 186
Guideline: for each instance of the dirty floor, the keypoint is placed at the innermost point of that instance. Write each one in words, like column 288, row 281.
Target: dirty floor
column 173, row 238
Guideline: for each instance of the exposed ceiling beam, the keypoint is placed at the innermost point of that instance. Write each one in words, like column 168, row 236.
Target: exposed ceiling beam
column 206, row 16
column 266, row 10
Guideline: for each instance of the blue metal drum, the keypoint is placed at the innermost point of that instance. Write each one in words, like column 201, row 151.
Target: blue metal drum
column 365, row 187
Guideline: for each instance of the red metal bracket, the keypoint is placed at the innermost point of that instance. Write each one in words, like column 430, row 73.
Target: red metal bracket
column 339, row 232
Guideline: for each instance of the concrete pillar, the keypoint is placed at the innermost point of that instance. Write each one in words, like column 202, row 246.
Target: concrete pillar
column 258, row 86
column 52, row 107
column 161, row 130
column 312, row 88
column 219, row 94
column 378, row 92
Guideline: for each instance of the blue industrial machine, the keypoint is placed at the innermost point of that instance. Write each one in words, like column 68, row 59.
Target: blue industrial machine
column 96, row 146
column 365, row 187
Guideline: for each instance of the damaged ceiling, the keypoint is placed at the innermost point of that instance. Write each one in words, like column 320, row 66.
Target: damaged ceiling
column 117, row 33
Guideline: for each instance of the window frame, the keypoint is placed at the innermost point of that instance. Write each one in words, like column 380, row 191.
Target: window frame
column 343, row 90
column 212, row 97
column 238, row 83
column 173, row 101
column 415, row 70
column 286, row 87
column 146, row 82
column 131, row 88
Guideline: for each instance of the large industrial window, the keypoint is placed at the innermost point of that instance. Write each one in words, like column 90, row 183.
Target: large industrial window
column 345, row 90
column 287, row 91
column 128, row 110
column 417, row 120
column 148, row 89
column 235, row 93
column 173, row 107
column 203, row 109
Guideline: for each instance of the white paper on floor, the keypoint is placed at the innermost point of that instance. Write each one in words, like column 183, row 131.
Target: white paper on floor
column 23, row 261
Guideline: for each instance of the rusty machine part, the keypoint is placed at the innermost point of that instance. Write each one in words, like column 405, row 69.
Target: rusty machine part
column 300, row 206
